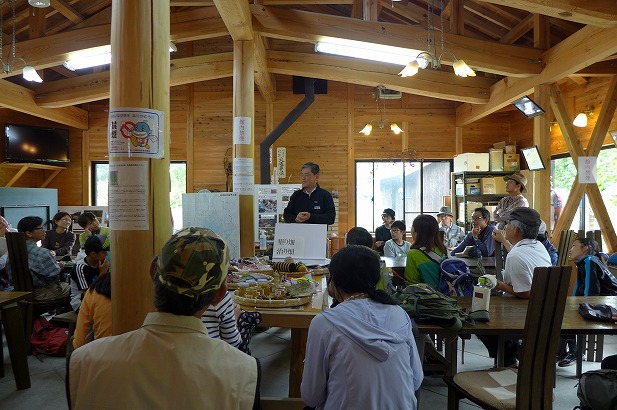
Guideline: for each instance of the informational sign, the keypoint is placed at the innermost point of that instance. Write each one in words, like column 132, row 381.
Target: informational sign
column 281, row 161
column 128, row 195
column 303, row 242
column 243, row 184
column 242, row 130
column 136, row 132
column 218, row 211
column 587, row 170
column 270, row 202
column 243, row 166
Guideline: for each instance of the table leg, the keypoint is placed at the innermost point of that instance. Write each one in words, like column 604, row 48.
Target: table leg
column 14, row 330
column 451, row 347
column 296, row 360
column 580, row 347
column 501, row 341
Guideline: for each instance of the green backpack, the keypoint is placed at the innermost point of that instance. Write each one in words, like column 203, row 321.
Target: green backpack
column 424, row 304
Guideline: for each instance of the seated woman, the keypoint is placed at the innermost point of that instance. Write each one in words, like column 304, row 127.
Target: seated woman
column 220, row 321
column 60, row 240
column 397, row 246
column 94, row 319
column 425, row 253
column 361, row 354
column 592, row 279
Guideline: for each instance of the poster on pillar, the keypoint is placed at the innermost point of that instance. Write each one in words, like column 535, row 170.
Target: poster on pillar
column 242, row 130
column 587, row 170
column 136, row 132
column 128, row 195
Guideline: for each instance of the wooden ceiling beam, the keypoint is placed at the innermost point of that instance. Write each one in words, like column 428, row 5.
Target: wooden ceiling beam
column 481, row 55
column 238, row 19
column 21, row 99
column 410, row 10
column 583, row 48
column 94, row 87
column 430, row 83
column 600, row 13
column 67, row 11
column 518, row 31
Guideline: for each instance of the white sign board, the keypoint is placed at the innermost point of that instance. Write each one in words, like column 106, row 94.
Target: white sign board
column 219, row 211
column 303, row 242
column 587, row 170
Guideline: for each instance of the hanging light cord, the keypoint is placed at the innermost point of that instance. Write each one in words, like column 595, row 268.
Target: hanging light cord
column 11, row 57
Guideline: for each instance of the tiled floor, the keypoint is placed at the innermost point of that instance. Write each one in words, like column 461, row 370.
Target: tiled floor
column 272, row 348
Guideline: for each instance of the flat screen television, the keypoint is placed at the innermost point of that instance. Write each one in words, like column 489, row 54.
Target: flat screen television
column 533, row 158
column 26, row 143
column 528, row 107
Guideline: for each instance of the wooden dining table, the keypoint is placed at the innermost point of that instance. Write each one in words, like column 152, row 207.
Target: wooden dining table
column 14, row 330
column 297, row 319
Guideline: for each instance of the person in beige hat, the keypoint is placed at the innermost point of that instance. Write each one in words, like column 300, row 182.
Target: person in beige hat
column 515, row 186
column 452, row 233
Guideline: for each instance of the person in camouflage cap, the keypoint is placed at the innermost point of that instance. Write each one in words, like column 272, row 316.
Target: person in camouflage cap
column 193, row 262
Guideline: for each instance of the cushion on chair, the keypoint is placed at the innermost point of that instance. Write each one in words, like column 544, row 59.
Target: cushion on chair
column 495, row 387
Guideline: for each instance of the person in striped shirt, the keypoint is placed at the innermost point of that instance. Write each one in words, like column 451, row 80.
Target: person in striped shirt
column 221, row 321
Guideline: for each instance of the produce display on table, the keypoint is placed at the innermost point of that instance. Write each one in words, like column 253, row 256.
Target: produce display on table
column 282, row 293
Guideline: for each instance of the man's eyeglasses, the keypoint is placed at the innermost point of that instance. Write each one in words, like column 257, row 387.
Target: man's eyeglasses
column 37, row 228
column 477, row 218
column 395, row 230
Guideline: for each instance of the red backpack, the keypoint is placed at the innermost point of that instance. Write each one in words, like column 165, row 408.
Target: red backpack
column 48, row 339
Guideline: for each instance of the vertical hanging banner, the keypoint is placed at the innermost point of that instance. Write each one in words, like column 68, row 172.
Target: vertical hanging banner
column 281, row 161
column 587, row 170
column 243, row 179
column 136, row 132
column 128, row 195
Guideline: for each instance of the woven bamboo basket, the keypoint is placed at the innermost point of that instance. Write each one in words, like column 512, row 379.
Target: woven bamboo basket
column 266, row 303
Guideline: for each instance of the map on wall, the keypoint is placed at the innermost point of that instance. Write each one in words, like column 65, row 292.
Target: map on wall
column 218, row 211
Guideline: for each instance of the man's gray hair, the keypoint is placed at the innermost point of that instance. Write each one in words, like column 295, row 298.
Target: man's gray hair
column 312, row 166
column 528, row 232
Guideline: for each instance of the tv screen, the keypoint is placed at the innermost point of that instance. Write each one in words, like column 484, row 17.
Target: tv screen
column 25, row 143
column 528, row 107
column 533, row 158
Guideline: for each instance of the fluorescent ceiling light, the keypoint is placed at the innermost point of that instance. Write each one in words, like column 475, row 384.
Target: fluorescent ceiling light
column 30, row 74
column 96, row 56
column 367, row 51
column 39, row 3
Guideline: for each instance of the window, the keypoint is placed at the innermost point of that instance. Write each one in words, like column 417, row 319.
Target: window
column 177, row 173
column 410, row 188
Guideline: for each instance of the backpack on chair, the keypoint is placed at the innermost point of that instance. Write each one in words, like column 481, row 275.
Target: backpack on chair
column 455, row 279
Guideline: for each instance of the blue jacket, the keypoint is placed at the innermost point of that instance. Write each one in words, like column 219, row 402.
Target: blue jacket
column 485, row 242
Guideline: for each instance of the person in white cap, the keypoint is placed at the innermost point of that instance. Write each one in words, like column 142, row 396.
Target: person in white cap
column 515, row 187
column 452, row 233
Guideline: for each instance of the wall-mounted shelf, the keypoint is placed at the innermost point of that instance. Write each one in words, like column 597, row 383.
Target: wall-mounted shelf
column 21, row 168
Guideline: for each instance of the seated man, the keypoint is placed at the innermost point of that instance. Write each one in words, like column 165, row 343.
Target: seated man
column 86, row 271
column 480, row 237
column 170, row 362
column 91, row 226
column 44, row 269
column 526, row 254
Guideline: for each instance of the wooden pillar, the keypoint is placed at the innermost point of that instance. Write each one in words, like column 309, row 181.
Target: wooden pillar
column 139, row 79
column 542, row 138
column 244, row 108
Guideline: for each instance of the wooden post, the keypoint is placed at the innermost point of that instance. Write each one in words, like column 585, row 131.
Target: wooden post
column 244, row 106
column 139, row 79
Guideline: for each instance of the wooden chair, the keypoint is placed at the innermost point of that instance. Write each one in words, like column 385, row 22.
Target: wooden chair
column 22, row 282
column 531, row 385
column 565, row 243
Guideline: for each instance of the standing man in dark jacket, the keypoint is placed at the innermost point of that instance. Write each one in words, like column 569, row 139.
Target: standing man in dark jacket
column 311, row 204
column 382, row 233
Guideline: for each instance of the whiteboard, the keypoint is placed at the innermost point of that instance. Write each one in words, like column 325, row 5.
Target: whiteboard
column 219, row 211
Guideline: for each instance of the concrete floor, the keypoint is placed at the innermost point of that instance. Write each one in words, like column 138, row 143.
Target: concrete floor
column 272, row 348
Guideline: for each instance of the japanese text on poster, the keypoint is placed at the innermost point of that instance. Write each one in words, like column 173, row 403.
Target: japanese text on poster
column 128, row 195
column 289, row 247
column 242, row 130
column 136, row 132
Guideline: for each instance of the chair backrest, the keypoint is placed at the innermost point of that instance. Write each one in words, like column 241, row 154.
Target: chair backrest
column 565, row 242
column 18, row 259
column 536, row 373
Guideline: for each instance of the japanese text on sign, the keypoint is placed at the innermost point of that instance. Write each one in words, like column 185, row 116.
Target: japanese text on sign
column 289, row 246
column 242, row 130
column 587, row 170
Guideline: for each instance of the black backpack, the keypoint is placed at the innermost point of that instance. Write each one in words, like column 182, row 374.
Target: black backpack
column 597, row 390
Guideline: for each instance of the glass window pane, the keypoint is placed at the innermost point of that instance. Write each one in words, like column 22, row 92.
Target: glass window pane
column 413, row 188
column 388, row 189
column 101, row 179
column 436, row 185
column 365, row 213
column 564, row 174
column 177, row 174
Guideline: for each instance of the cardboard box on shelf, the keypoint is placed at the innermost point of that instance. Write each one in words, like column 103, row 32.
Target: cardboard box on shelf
column 511, row 162
column 493, row 185
column 471, row 162
column 510, row 149
column 495, row 159
column 473, row 189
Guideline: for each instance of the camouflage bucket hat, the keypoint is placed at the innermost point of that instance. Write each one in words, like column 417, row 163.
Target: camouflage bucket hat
column 193, row 262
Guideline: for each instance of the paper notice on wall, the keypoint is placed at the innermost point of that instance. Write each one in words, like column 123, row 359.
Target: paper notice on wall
column 136, row 132
column 128, row 195
column 242, row 130
column 587, row 170
column 281, row 161
column 243, row 184
column 243, row 166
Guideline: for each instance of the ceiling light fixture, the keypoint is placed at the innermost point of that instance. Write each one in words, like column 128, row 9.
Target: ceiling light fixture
column 41, row 4
column 28, row 72
column 434, row 57
column 581, row 119
column 380, row 114
column 366, row 51
column 93, row 57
